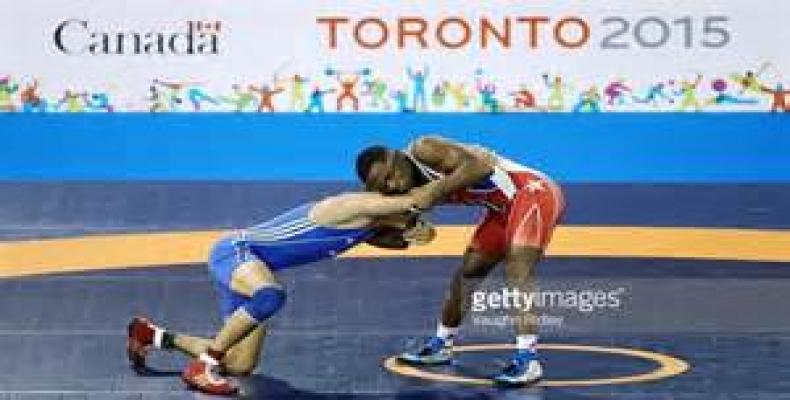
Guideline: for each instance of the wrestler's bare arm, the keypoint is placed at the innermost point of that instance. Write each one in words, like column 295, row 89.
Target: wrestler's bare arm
column 359, row 209
column 463, row 166
column 393, row 218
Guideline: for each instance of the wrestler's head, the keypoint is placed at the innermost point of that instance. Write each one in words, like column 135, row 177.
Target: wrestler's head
column 386, row 170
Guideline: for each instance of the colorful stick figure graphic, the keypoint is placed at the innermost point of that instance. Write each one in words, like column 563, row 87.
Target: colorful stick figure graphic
column 459, row 93
column 418, row 77
column 749, row 81
column 98, row 102
column 487, row 93
column 523, row 99
column 7, row 89
column 194, row 93
column 655, row 95
column 779, row 94
column 266, row 94
column 723, row 97
column 616, row 92
column 589, row 100
column 298, row 98
column 73, row 101
column 402, row 101
column 438, row 96
column 348, row 82
column 556, row 99
column 241, row 100
column 31, row 101
column 688, row 94
column 317, row 99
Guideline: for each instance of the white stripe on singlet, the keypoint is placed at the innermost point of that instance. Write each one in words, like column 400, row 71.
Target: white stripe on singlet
column 284, row 231
column 500, row 177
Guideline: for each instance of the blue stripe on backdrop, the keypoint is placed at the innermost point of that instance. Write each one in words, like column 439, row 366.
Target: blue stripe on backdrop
column 642, row 147
column 49, row 209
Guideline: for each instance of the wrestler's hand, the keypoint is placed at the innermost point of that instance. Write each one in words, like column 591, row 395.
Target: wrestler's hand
column 420, row 234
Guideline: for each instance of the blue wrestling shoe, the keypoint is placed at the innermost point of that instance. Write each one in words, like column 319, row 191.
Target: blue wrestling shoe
column 434, row 351
column 524, row 369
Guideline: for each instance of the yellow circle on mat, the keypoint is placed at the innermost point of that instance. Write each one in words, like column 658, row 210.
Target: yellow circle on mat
column 668, row 366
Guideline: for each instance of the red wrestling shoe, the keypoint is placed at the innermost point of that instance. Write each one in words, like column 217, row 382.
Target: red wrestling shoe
column 200, row 374
column 139, row 341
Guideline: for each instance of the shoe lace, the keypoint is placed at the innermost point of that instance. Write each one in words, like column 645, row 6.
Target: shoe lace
column 518, row 363
column 514, row 368
column 432, row 345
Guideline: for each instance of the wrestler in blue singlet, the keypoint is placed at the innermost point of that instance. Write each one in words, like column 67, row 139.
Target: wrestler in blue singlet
column 288, row 240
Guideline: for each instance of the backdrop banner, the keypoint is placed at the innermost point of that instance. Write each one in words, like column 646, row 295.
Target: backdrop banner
column 384, row 56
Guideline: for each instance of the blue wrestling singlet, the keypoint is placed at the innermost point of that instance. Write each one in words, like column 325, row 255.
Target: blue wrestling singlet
column 288, row 240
